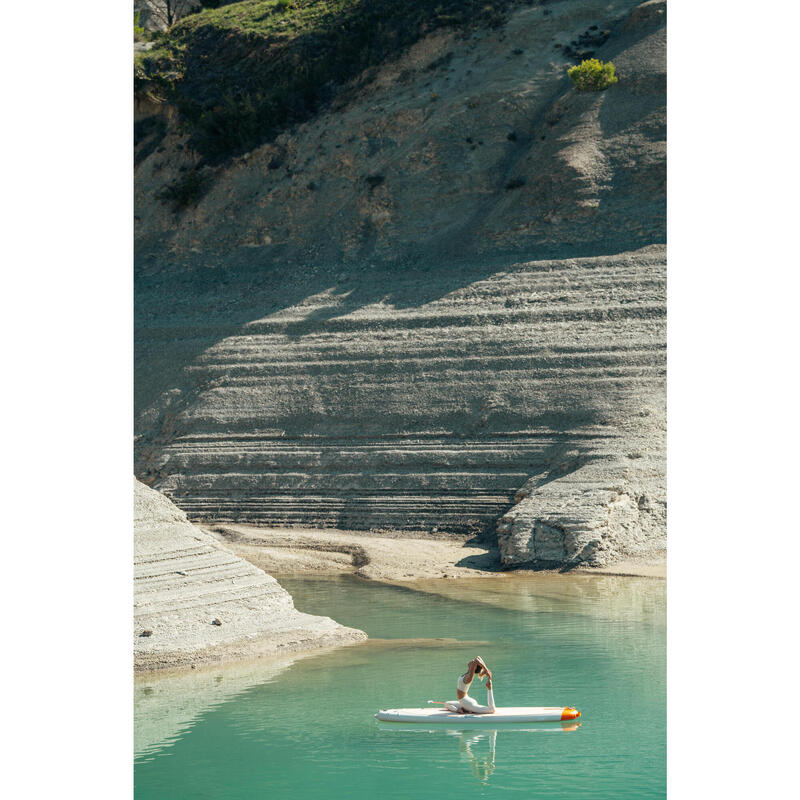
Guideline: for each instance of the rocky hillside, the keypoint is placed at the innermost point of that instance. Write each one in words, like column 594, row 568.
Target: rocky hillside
column 462, row 146
column 196, row 601
column 438, row 303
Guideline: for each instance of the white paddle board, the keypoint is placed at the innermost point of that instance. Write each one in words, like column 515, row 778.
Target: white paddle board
column 508, row 714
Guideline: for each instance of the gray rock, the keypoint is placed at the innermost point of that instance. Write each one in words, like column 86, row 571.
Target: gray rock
column 608, row 509
column 260, row 616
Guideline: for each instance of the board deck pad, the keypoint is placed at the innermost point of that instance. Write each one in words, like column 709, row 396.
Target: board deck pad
column 507, row 714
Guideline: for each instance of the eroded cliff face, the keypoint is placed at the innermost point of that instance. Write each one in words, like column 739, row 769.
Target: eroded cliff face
column 439, row 306
column 195, row 601
column 600, row 509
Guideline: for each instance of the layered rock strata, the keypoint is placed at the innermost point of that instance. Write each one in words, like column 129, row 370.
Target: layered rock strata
column 195, row 601
column 596, row 512
column 386, row 415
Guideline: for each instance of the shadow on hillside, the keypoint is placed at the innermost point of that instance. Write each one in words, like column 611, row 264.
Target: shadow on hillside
column 181, row 313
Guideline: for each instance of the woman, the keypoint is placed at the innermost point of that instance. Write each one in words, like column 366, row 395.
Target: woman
column 466, row 704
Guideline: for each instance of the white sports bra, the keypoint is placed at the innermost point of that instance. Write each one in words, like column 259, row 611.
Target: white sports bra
column 463, row 687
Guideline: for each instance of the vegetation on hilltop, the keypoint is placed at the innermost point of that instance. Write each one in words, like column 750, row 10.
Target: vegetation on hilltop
column 240, row 73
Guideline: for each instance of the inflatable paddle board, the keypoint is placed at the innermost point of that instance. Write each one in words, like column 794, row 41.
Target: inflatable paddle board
column 508, row 714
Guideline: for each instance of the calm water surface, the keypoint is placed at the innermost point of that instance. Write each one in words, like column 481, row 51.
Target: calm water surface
column 303, row 727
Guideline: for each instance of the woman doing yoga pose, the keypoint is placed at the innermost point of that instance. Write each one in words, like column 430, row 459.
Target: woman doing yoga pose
column 466, row 704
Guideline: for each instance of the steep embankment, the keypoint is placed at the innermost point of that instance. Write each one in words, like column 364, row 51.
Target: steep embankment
column 195, row 601
column 445, row 296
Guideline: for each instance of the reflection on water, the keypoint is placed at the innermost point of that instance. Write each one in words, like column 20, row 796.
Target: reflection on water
column 478, row 746
column 482, row 763
column 610, row 596
column 166, row 707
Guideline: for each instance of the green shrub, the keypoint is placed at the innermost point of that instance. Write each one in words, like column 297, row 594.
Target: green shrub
column 593, row 75
column 138, row 30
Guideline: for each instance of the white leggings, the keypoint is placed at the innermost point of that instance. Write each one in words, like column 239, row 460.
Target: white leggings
column 468, row 704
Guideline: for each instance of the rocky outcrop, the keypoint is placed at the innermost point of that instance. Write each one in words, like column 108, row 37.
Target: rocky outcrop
column 597, row 512
column 404, row 312
column 158, row 15
column 184, row 580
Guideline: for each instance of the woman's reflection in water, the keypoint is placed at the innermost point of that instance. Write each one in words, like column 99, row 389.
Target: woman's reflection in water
column 482, row 763
column 472, row 746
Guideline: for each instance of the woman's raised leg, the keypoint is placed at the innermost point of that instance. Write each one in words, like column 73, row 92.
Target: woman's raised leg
column 470, row 706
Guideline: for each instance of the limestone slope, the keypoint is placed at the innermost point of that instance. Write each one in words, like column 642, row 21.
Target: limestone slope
column 423, row 312
column 184, row 580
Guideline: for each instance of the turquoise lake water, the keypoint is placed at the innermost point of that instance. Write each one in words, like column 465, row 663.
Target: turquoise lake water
column 303, row 727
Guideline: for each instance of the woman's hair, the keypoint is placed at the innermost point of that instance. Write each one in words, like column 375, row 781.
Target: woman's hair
column 478, row 669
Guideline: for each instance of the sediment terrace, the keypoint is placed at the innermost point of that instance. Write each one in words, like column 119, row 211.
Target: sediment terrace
column 340, row 414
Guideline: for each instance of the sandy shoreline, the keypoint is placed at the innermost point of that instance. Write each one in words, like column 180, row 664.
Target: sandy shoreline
column 436, row 564
column 390, row 558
